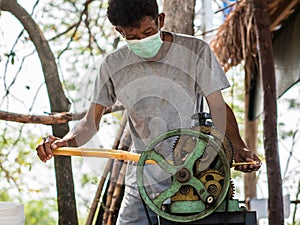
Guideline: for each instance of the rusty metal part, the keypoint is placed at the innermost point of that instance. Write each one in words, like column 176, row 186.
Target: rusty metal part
column 183, row 175
column 214, row 181
column 185, row 145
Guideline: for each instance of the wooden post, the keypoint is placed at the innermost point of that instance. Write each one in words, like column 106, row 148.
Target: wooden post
column 251, row 140
column 250, row 133
column 267, row 71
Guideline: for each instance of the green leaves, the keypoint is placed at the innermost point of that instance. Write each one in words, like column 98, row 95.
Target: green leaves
column 40, row 212
column 11, row 56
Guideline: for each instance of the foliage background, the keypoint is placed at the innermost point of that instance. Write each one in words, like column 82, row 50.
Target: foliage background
column 79, row 34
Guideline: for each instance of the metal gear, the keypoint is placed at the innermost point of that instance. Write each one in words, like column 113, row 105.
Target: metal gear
column 214, row 181
column 184, row 145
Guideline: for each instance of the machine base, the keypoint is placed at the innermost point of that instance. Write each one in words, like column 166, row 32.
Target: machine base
column 221, row 218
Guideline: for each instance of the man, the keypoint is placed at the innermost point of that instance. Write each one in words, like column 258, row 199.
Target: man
column 160, row 78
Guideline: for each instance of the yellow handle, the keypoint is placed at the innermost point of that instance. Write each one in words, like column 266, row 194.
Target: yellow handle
column 243, row 163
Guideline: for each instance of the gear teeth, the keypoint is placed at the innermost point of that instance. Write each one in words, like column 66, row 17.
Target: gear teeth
column 175, row 143
column 174, row 146
column 231, row 189
column 213, row 171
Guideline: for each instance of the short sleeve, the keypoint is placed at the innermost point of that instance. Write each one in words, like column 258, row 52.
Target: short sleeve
column 210, row 75
column 103, row 93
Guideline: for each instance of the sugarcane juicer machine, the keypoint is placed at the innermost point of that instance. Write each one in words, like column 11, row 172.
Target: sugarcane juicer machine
column 201, row 184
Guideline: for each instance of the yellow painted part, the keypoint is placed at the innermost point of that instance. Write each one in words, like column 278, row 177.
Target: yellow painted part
column 243, row 163
column 188, row 197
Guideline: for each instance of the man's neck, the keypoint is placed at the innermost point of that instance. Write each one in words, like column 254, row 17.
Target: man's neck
column 166, row 36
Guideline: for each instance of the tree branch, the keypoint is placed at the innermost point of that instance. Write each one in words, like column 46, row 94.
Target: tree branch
column 54, row 118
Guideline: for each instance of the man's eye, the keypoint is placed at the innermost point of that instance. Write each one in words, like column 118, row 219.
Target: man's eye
column 148, row 32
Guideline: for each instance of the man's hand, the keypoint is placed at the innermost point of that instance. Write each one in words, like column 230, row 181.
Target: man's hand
column 49, row 143
column 245, row 155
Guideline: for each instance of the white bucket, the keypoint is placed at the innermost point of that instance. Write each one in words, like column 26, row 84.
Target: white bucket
column 11, row 213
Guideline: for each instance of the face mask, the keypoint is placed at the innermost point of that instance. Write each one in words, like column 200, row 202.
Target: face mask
column 147, row 47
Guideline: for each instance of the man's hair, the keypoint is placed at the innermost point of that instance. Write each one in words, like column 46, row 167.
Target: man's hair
column 129, row 13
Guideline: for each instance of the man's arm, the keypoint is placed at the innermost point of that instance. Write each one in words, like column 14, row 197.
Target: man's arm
column 86, row 128
column 224, row 119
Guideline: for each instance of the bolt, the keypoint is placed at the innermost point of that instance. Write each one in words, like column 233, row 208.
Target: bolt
column 184, row 190
column 183, row 175
column 210, row 199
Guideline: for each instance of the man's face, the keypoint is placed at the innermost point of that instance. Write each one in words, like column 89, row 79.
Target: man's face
column 148, row 27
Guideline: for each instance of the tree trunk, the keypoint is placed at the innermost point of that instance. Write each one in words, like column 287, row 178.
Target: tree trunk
column 267, row 71
column 179, row 16
column 58, row 103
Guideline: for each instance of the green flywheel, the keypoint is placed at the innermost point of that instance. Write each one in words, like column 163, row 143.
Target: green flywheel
column 187, row 198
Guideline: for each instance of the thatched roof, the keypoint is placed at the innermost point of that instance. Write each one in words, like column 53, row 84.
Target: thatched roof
column 236, row 39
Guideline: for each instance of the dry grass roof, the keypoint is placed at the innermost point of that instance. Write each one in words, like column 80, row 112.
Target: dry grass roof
column 236, row 38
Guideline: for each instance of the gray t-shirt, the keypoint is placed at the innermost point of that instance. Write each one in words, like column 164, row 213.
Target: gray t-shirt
column 158, row 95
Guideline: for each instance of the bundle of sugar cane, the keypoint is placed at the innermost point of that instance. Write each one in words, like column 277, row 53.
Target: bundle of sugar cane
column 114, row 154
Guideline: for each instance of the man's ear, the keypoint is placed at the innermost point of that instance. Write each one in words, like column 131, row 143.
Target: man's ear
column 161, row 17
